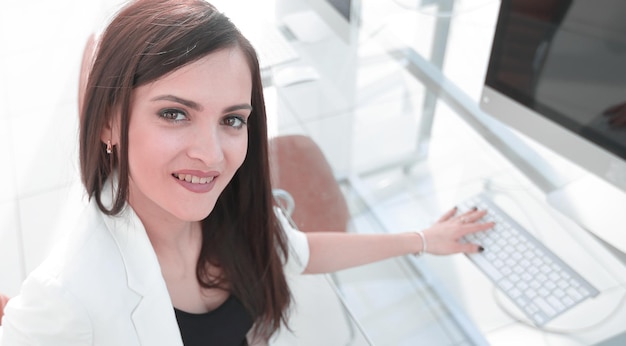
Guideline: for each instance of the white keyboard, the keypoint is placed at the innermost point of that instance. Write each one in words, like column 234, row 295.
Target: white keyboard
column 537, row 281
column 272, row 47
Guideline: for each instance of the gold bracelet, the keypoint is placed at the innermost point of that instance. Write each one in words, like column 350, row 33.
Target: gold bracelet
column 421, row 234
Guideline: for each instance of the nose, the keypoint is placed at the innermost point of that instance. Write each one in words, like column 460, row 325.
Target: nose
column 206, row 145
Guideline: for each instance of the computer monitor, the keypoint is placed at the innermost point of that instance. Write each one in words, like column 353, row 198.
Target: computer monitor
column 557, row 74
column 339, row 17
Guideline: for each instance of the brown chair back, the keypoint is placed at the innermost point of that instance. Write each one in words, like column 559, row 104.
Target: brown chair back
column 299, row 167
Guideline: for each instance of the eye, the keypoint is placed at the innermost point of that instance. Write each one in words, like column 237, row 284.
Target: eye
column 234, row 121
column 173, row 114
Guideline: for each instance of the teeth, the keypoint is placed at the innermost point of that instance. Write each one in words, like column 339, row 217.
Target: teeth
column 194, row 179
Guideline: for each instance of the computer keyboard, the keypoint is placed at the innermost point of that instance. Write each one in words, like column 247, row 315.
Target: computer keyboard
column 536, row 280
column 272, row 47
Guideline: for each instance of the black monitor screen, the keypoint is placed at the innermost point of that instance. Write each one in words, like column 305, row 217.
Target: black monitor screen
column 566, row 60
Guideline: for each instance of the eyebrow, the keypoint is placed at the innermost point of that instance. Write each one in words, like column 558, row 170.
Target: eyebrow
column 186, row 103
column 196, row 106
column 238, row 107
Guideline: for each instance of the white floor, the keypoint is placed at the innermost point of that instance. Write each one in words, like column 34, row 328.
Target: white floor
column 39, row 185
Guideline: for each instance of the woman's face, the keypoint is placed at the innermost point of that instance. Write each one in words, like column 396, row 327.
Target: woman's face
column 188, row 136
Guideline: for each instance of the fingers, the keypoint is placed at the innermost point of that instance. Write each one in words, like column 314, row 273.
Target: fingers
column 465, row 217
column 449, row 214
column 475, row 227
column 471, row 248
column 470, row 223
column 446, row 234
column 471, row 216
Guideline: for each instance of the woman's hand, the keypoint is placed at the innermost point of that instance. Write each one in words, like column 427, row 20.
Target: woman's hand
column 443, row 238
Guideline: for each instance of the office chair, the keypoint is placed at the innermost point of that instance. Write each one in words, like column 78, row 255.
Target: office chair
column 306, row 189
column 304, row 183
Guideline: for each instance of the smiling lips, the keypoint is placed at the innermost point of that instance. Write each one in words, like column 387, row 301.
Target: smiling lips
column 193, row 179
column 196, row 183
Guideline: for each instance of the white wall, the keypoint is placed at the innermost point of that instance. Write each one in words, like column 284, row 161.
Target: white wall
column 42, row 44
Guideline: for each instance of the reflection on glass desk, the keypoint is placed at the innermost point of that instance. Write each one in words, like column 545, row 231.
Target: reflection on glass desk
column 405, row 152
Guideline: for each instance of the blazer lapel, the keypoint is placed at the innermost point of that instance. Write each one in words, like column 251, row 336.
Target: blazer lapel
column 153, row 317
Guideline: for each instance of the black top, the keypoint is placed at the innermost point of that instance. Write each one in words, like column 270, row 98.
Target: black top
column 226, row 325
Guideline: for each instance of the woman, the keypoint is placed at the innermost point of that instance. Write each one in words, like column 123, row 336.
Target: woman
column 181, row 242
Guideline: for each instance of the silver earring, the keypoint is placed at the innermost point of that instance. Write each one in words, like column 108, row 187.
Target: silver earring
column 109, row 147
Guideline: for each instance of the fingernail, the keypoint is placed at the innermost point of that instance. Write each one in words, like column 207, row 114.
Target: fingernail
column 481, row 249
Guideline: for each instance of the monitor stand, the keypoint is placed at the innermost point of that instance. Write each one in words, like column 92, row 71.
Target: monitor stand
column 596, row 206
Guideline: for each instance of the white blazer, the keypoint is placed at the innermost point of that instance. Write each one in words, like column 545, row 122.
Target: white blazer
column 104, row 286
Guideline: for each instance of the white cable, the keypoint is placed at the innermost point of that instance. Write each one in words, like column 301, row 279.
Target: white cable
column 497, row 297
column 524, row 321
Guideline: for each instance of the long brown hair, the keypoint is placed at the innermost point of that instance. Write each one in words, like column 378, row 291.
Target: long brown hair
column 146, row 40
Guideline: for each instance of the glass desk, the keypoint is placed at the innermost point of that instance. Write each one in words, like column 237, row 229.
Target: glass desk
column 406, row 141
